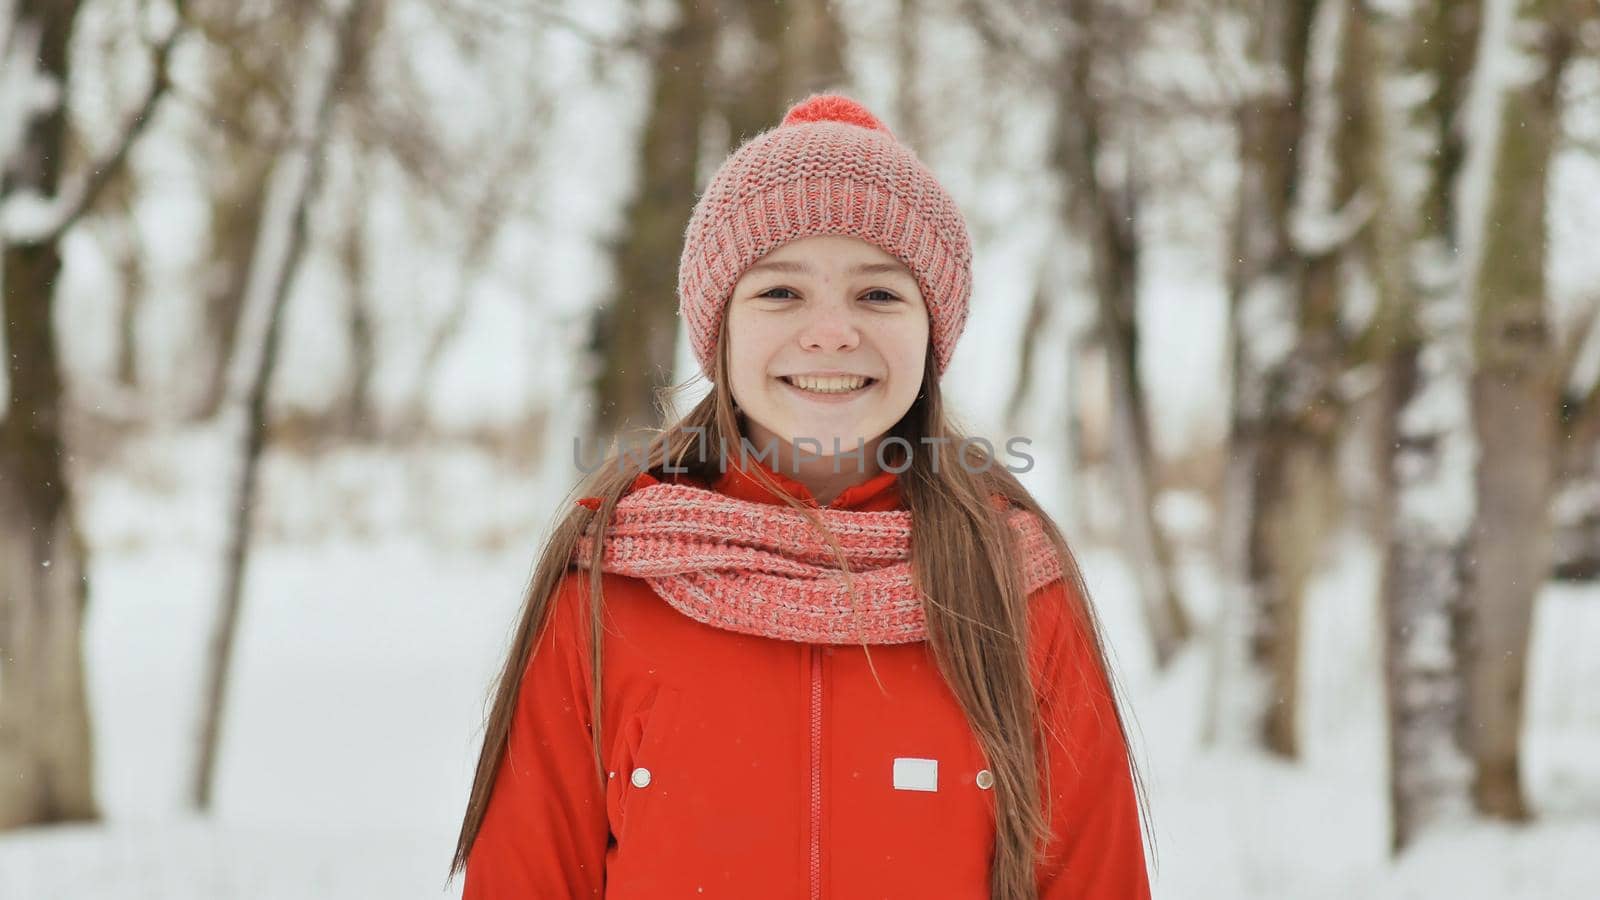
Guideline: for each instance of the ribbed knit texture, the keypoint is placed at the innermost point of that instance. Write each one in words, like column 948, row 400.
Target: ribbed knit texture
column 761, row 568
column 831, row 167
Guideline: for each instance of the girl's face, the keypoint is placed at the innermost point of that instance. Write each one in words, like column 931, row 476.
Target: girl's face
column 827, row 340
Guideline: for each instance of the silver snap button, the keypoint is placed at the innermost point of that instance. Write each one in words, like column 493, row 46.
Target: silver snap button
column 640, row 777
column 985, row 779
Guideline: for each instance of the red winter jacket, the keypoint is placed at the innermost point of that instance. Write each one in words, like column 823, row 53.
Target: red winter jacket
column 750, row 767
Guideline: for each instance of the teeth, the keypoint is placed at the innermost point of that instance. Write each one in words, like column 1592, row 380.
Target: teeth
column 841, row 385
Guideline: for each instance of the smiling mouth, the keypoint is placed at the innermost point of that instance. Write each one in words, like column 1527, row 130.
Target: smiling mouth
column 833, row 386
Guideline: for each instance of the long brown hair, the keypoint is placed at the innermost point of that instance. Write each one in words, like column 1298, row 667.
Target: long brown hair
column 964, row 557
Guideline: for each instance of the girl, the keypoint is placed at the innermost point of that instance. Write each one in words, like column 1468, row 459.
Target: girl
column 845, row 653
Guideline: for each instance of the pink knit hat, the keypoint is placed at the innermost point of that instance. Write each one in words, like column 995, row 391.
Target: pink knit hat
column 829, row 168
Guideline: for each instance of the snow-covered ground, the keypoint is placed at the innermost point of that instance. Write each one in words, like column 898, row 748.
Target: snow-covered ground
column 367, row 653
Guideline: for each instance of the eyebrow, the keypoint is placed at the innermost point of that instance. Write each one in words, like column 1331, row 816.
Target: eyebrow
column 878, row 268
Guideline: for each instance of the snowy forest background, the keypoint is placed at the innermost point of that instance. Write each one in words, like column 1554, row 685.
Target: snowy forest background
column 307, row 301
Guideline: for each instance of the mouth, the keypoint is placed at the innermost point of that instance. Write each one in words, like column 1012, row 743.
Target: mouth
column 829, row 387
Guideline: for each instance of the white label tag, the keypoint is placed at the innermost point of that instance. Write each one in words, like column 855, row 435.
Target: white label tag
column 912, row 774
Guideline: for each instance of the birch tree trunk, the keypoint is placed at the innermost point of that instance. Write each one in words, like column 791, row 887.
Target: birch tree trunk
column 1515, row 402
column 279, row 246
column 1427, row 438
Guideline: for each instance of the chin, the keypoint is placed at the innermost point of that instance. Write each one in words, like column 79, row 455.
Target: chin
column 846, row 445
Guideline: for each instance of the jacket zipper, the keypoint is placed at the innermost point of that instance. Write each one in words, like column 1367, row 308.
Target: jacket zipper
column 816, row 772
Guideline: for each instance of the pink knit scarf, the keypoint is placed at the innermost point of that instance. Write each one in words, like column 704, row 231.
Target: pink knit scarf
column 762, row 569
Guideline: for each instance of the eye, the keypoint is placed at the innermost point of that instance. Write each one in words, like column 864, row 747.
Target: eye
column 887, row 297
column 770, row 291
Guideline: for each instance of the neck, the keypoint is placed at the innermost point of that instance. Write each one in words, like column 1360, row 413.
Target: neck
column 826, row 477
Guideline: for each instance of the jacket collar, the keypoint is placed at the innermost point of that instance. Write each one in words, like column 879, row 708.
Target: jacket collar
column 879, row 493
column 874, row 494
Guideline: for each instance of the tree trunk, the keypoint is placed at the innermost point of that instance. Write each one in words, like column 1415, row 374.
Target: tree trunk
column 909, row 50
column 794, row 49
column 1107, row 216
column 1293, row 505
column 1515, row 401
column 1422, row 583
column 815, row 49
column 360, row 414
column 1033, row 329
column 635, row 331
column 279, row 247
column 1427, row 441
column 243, row 64
column 1283, row 334
column 236, row 215
column 46, row 740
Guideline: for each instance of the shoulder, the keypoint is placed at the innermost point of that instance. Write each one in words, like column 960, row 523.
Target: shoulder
column 1060, row 635
column 572, row 595
column 627, row 606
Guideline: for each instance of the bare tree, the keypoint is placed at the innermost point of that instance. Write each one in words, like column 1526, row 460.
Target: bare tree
column 46, row 742
column 1515, row 405
column 358, row 415
column 1300, row 202
column 910, row 51
column 280, row 245
column 1091, row 136
column 1106, row 212
column 1476, row 393
column 634, row 333
column 245, row 113
column 1426, row 441
column 786, row 51
column 483, row 224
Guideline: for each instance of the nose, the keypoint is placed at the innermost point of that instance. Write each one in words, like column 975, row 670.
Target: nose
column 830, row 329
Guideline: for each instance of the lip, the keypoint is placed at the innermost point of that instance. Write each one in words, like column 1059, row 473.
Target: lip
column 830, row 398
column 831, row 373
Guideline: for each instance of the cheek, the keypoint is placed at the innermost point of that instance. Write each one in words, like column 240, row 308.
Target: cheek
column 750, row 350
column 909, row 354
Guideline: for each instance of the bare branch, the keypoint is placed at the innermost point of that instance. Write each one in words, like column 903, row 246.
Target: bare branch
column 469, row 15
column 49, row 218
column 225, row 121
column 1317, row 234
column 1009, row 39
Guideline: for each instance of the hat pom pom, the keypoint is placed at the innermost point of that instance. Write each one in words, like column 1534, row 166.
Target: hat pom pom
column 833, row 108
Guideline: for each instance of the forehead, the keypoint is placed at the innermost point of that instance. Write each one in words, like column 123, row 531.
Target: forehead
column 829, row 252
